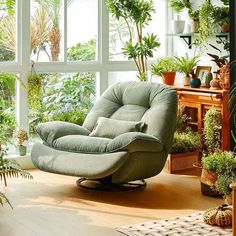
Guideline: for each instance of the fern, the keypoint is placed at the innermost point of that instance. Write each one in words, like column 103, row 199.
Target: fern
column 4, row 199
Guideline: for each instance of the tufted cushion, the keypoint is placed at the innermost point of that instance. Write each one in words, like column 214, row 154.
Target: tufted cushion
column 154, row 104
column 111, row 128
column 131, row 142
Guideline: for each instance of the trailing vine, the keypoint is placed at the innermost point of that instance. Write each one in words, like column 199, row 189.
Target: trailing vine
column 212, row 129
column 206, row 21
column 35, row 83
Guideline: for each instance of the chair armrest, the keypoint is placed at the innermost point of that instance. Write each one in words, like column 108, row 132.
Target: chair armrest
column 50, row 131
column 135, row 142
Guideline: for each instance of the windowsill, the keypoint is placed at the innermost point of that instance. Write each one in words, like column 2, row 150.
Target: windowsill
column 24, row 161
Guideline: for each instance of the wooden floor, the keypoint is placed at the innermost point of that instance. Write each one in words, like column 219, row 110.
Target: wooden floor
column 52, row 205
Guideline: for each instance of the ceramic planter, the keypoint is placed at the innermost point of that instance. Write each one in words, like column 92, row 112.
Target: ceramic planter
column 195, row 27
column 20, row 150
column 168, row 78
column 215, row 84
column 195, row 83
column 177, row 26
column 186, row 80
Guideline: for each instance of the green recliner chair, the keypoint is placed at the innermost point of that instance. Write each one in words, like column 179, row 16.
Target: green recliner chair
column 125, row 137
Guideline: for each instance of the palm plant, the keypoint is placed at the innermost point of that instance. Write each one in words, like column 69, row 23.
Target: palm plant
column 40, row 28
column 8, row 35
column 53, row 9
column 138, row 13
column 187, row 64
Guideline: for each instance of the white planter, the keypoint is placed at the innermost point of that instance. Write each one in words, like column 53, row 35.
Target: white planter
column 177, row 26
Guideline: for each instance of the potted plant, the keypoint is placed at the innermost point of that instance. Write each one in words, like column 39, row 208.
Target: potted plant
column 221, row 18
column 139, row 13
column 222, row 167
column 178, row 24
column 9, row 169
column 212, row 143
column 194, row 15
column 186, row 65
column 166, row 67
column 20, row 137
column 206, row 22
column 186, row 145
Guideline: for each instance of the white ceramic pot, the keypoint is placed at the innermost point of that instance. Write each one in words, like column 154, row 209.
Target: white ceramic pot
column 177, row 26
column 186, row 80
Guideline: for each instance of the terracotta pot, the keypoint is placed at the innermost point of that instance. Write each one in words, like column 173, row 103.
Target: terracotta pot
column 225, row 77
column 168, row 78
column 225, row 28
column 195, row 27
column 215, row 84
column 186, row 80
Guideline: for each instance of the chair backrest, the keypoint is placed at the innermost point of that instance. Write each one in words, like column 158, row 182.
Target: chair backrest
column 155, row 104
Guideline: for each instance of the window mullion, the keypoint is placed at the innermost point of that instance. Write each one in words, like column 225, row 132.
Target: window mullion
column 65, row 31
column 23, row 44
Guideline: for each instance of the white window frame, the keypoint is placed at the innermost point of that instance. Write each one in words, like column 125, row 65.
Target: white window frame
column 102, row 66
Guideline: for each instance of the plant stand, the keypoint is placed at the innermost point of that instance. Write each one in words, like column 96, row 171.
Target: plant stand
column 182, row 161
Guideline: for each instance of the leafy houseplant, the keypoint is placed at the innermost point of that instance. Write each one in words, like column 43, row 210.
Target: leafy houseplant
column 139, row 13
column 9, row 169
column 206, row 27
column 212, row 129
column 221, row 18
column 20, row 137
column 166, row 67
column 35, row 82
column 187, row 141
column 178, row 6
column 224, row 165
column 186, row 65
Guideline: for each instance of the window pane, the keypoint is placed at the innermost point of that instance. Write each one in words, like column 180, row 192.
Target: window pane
column 119, row 34
column 46, row 30
column 7, row 31
column 121, row 76
column 82, row 30
column 7, row 106
column 65, row 97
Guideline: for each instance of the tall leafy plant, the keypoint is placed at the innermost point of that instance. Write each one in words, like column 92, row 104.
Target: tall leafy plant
column 139, row 13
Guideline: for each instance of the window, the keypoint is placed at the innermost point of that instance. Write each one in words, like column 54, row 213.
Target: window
column 119, row 33
column 82, row 27
column 8, row 35
column 74, row 51
column 7, row 105
column 66, row 97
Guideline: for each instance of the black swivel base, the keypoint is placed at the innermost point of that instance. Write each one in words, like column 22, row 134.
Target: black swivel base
column 105, row 184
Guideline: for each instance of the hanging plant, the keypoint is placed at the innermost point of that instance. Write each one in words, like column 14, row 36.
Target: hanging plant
column 206, row 21
column 35, row 83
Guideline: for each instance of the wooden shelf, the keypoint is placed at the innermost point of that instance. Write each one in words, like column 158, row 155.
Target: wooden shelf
column 198, row 100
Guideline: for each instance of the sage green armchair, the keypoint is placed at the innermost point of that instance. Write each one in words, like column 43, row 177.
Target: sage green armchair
column 125, row 137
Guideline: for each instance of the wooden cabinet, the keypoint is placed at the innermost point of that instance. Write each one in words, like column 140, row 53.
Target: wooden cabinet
column 198, row 100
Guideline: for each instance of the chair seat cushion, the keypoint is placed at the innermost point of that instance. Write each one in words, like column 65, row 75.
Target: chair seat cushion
column 131, row 142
